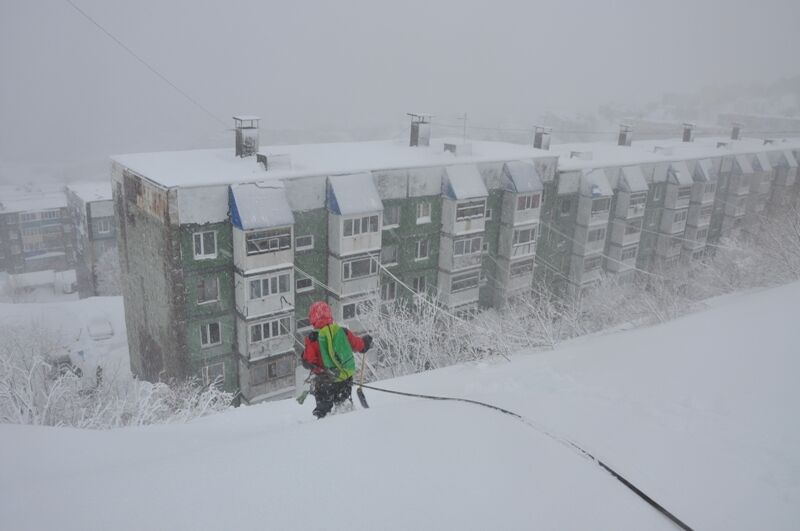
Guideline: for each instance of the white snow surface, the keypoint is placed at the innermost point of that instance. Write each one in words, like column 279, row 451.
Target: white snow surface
column 262, row 205
column 700, row 413
column 464, row 182
column 89, row 191
column 355, row 194
column 31, row 198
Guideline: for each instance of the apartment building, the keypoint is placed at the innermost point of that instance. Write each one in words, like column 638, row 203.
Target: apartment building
column 92, row 212
column 223, row 251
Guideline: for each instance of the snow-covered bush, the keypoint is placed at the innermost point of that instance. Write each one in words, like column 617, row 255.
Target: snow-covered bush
column 39, row 386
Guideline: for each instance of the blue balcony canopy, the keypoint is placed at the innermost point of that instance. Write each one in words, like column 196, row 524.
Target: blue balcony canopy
column 259, row 206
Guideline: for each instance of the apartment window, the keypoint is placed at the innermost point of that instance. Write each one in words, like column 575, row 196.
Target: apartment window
column 280, row 368
column 214, row 374
column 304, row 243
column 51, row 214
column 470, row 210
column 302, row 284
column 596, row 235
column 697, row 255
column 637, row 199
column 358, row 268
column 684, row 192
column 389, row 254
column 264, row 287
column 701, row 234
column 391, row 216
column 418, row 284
column 270, row 329
column 362, row 225
column 207, row 290
column 521, row 268
column 600, row 205
column 524, row 236
column 629, row 253
column 633, row 226
column 464, row 281
column 566, row 207
column 28, row 216
column 268, row 241
column 705, row 212
column 389, row 291
column 528, row 202
column 103, row 226
column 210, row 335
column 469, row 245
column 205, row 245
column 592, row 263
column 422, row 250
column 710, row 188
column 657, row 192
column 423, row 212
column 349, row 311
column 489, row 214
column 680, row 216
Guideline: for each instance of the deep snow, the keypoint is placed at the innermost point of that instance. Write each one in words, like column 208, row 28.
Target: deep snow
column 699, row 413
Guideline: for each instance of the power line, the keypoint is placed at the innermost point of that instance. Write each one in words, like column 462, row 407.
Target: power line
column 147, row 65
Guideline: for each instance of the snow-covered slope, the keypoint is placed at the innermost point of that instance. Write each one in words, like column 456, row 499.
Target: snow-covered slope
column 700, row 413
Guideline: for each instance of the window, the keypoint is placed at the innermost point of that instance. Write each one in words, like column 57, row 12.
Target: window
column 258, row 374
column 391, row 216
column 592, row 264
column 566, row 207
column 358, row 268
column 280, row 368
column 303, row 323
column 710, row 188
column 422, row 250
column 633, row 226
column 705, row 212
column 528, row 202
column 637, row 199
column 270, row 329
column 207, row 290
column 684, row 192
column 701, row 234
column 680, row 216
column 629, row 253
column 389, row 254
column 524, row 236
column 489, row 214
column 389, row 291
column 268, row 241
column 521, row 268
column 464, row 281
column 103, row 226
column 51, row 214
column 205, row 245
column 210, row 335
column 657, row 192
column 423, row 212
column 362, row 225
column 600, row 205
column 28, row 216
column 468, row 245
column 596, row 235
column 304, row 243
column 264, row 287
column 349, row 311
column 214, row 374
column 470, row 210
column 303, row 284
column 698, row 255
column 418, row 284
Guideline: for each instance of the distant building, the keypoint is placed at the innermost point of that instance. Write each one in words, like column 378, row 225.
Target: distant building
column 92, row 209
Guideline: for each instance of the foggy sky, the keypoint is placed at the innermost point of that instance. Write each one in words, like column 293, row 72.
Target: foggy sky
column 68, row 92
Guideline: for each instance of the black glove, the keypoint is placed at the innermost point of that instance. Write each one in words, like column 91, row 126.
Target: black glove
column 367, row 339
column 312, row 336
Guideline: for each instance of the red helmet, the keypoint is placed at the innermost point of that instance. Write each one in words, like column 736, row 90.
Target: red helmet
column 320, row 314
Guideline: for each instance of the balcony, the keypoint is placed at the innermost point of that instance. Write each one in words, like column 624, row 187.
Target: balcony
column 252, row 349
column 264, row 294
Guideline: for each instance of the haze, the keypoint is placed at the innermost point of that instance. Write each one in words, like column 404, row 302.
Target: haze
column 69, row 93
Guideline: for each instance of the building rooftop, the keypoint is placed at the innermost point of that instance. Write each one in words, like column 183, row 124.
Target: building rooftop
column 30, row 198
column 222, row 166
column 92, row 190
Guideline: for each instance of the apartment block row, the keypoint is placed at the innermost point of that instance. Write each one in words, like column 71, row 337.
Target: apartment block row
column 223, row 251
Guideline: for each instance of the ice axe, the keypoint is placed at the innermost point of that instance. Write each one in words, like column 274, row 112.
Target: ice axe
column 360, row 391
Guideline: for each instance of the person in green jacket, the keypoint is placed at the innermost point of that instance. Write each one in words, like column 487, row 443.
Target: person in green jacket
column 328, row 354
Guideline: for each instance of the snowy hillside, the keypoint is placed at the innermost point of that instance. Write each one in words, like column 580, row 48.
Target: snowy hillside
column 700, row 413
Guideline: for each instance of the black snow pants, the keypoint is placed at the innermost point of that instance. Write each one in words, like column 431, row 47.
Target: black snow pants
column 328, row 393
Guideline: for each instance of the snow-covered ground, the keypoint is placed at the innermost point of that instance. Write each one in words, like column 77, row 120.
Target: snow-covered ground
column 700, row 413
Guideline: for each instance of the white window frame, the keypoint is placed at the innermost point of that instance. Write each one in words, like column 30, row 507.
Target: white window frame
column 205, row 329
column 633, row 226
column 399, row 214
column 684, row 192
column 634, row 248
column 51, row 214
column 464, row 208
column 636, row 199
column 275, row 328
column 396, row 258
column 355, row 226
column 219, row 382
column 200, row 237
column 347, row 268
column 489, row 214
column 521, row 268
column 300, row 247
column 600, row 230
column 303, row 289
column 388, row 290
column 103, row 226
column 197, row 291
column 657, row 192
column 468, row 241
column 526, row 202
column 277, row 239
column 25, row 217
column 606, row 201
column 423, row 212
column 419, row 284
column 680, row 216
column 422, row 245
column 463, row 278
column 267, row 283
column 591, row 260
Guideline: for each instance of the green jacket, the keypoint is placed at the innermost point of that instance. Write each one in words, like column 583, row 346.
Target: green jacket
column 337, row 353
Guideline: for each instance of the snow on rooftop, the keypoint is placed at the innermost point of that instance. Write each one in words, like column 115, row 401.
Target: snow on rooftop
column 523, row 177
column 259, row 206
column 30, row 198
column 222, row 166
column 354, row 194
column 92, row 190
column 463, row 181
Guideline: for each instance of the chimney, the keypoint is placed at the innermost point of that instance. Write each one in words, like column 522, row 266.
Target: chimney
column 246, row 135
column 625, row 135
column 736, row 131
column 420, row 129
column 541, row 137
column 688, row 132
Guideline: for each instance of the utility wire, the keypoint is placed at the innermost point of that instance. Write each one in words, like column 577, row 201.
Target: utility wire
column 147, row 65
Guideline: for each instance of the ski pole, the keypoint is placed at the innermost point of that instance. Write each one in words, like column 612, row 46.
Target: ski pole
column 360, row 390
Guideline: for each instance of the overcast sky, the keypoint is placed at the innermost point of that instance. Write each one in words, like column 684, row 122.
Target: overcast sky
column 68, row 92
